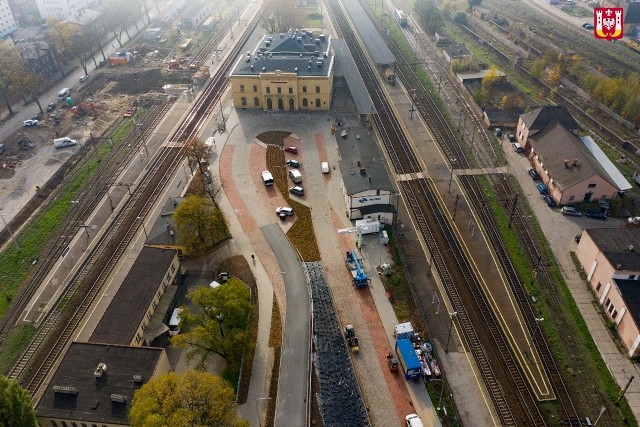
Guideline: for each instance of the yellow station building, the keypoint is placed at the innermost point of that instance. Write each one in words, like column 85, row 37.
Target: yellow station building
column 289, row 71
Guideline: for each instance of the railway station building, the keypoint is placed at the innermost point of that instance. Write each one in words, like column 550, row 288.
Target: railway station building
column 574, row 169
column 367, row 189
column 94, row 384
column 289, row 71
column 611, row 259
column 140, row 310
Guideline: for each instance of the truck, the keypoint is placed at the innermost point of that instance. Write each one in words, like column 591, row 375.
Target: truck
column 408, row 359
column 360, row 279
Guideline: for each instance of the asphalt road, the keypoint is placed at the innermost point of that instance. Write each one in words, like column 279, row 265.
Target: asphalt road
column 293, row 382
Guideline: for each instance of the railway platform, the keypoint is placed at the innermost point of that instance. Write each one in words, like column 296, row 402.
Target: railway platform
column 438, row 167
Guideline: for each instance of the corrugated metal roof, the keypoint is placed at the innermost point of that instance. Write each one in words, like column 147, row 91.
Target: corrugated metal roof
column 346, row 67
column 611, row 169
column 377, row 48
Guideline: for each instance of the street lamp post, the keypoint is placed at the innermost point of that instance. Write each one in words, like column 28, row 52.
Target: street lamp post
column 451, row 316
column 258, row 411
column 10, row 232
column 451, row 161
column 146, row 236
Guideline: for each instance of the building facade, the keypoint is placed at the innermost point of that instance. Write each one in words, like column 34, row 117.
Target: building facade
column 286, row 72
column 7, row 21
column 611, row 259
column 61, row 9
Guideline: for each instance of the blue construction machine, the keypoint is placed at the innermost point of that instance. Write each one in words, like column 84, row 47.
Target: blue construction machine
column 360, row 279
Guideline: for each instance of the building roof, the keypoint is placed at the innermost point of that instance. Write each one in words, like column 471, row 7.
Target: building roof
column 632, row 14
column 92, row 402
column 611, row 169
column 630, row 292
column 478, row 75
column 496, row 115
column 362, row 149
column 456, row 51
column 346, row 67
column 84, row 17
column 537, row 119
column 132, row 300
column 369, row 34
column 301, row 52
column 162, row 231
column 555, row 145
column 616, row 243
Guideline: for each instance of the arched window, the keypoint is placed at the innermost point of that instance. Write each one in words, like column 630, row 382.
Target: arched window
column 317, row 102
column 256, row 102
column 243, row 102
column 292, row 104
column 305, row 103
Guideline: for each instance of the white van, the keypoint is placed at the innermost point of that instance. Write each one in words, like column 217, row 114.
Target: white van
column 64, row 142
column 295, row 176
column 267, row 178
column 64, row 93
column 174, row 323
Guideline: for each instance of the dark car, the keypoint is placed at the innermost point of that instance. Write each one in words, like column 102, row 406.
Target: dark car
column 292, row 150
column 533, row 174
column 294, row 164
column 51, row 106
column 597, row 215
column 587, row 26
column 498, row 132
column 550, row 202
column 542, row 189
column 512, row 137
column 36, row 116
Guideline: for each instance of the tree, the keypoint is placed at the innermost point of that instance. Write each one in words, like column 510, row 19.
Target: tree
column 193, row 399
column 217, row 324
column 11, row 70
column 554, row 72
column 460, row 17
column 512, row 100
column 430, row 15
column 281, row 15
column 71, row 39
column 474, row 3
column 200, row 224
column 16, row 407
column 197, row 153
column 491, row 79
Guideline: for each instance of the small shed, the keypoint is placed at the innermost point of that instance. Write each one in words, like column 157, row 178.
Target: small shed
column 456, row 52
column 483, row 13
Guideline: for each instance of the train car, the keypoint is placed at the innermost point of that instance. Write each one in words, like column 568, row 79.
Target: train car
column 390, row 75
column 632, row 44
column 401, row 17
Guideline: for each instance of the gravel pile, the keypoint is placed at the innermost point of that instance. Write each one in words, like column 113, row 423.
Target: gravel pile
column 339, row 399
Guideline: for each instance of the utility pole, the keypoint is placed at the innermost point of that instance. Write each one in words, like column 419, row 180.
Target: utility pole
column 513, row 209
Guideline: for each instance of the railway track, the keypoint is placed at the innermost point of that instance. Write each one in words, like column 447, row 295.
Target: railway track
column 88, row 281
column 83, row 204
column 504, row 190
column 488, row 345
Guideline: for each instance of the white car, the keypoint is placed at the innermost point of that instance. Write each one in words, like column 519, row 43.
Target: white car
column 29, row 123
column 413, row 420
column 325, row 167
column 284, row 212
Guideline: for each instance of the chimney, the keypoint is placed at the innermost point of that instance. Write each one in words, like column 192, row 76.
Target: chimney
column 632, row 248
column 362, row 170
column 358, row 162
column 369, row 178
column 566, row 164
column 575, row 162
